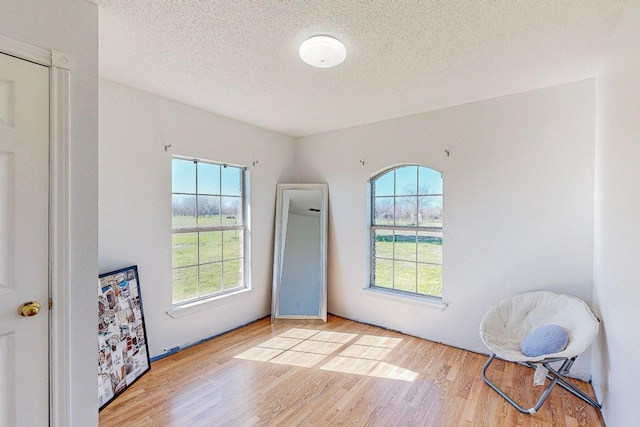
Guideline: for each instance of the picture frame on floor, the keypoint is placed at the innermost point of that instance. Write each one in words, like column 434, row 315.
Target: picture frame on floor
column 123, row 356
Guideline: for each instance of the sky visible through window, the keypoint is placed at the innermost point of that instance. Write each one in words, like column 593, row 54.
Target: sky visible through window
column 408, row 180
column 406, row 230
column 208, row 229
column 209, row 177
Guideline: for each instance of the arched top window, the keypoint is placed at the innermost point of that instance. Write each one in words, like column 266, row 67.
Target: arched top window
column 406, row 230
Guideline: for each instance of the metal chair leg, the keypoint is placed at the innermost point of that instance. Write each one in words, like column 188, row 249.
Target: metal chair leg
column 556, row 377
column 531, row 410
column 564, row 382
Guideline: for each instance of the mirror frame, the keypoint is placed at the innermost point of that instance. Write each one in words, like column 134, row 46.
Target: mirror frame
column 278, row 251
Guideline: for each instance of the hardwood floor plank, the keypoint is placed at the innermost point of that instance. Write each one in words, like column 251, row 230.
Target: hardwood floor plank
column 342, row 373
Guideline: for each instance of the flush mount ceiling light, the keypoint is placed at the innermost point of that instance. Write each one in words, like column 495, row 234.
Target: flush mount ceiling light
column 323, row 51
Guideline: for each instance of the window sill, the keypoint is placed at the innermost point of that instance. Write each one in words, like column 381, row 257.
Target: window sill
column 182, row 310
column 413, row 299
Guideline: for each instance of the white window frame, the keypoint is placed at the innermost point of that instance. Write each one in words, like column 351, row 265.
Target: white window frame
column 437, row 299
column 244, row 227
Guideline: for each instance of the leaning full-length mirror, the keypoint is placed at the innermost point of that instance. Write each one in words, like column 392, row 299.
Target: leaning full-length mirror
column 300, row 253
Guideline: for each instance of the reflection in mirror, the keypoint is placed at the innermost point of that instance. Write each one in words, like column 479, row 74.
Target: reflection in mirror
column 299, row 268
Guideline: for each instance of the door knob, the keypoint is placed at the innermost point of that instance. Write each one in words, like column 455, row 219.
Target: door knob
column 29, row 308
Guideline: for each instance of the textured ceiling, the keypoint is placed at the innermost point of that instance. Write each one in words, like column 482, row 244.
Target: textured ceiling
column 240, row 58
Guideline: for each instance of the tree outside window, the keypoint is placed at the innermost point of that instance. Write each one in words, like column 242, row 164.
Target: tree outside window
column 209, row 229
column 406, row 230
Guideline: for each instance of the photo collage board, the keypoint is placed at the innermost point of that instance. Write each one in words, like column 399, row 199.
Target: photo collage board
column 123, row 356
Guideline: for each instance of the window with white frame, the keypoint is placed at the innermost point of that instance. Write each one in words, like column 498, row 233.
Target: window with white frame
column 209, row 229
column 406, row 230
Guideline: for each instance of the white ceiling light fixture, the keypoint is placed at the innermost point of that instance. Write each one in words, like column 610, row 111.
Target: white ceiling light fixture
column 323, row 51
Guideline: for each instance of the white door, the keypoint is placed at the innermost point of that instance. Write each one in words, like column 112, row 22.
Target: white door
column 24, row 241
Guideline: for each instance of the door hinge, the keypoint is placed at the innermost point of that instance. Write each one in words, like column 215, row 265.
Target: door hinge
column 50, row 303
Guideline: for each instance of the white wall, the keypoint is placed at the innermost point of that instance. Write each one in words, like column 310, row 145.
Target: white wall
column 135, row 202
column 518, row 205
column 71, row 26
column 617, row 232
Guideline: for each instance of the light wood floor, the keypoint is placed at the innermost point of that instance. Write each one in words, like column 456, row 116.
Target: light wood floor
column 342, row 373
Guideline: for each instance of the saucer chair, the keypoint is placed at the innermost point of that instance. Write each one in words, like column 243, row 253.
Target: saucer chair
column 504, row 327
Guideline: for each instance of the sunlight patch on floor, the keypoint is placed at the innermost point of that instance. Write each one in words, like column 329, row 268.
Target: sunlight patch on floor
column 281, row 343
column 318, row 347
column 299, row 333
column 365, row 352
column 260, row 354
column 298, row 358
column 372, row 368
column 309, row 348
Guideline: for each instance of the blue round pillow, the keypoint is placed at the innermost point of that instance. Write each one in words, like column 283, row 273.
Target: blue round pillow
column 546, row 339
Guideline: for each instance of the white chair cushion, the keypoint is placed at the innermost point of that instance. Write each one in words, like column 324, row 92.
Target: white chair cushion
column 505, row 324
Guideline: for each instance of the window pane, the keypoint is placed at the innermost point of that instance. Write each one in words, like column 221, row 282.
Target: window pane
column 408, row 260
column 430, row 279
column 405, row 276
column 430, row 214
column 185, row 284
column 185, row 249
column 232, row 244
column 430, row 181
column 206, row 262
column 383, row 244
column 208, row 178
column 405, row 245
column 383, row 271
column 407, row 180
column 383, row 185
column 208, row 211
column 183, row 174
column 184, row 211
column 210, row 278
column 407, row 211
column 231, row 210
column 430, row 247
column 231, row 181
column 232, row 274
column 383, row 211
column 210, row 246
